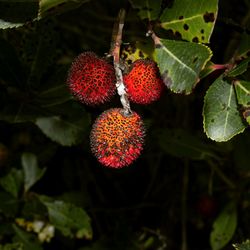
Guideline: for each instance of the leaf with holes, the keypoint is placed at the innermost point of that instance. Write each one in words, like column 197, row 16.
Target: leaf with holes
column 71, row 220
column 242, row 246
column 193, row 20
column 243, row 92
column 221, row 117
column 53, row 7
column 180, row 63
column 224, row 227
column 147, row 9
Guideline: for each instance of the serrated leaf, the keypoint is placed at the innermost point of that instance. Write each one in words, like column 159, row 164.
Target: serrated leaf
column 243, row 92
column 221, row 117
column 53, row 7
column 12, row 182
column 32, row 173
column 9, row 25
column 242, row 246
column 71, row 220
column 183, row 144
column 224, row 227
column 16, row 13
column 240, row 69
column 28, row 240
column 193, row 20
column 147, row 9
column 180, row 63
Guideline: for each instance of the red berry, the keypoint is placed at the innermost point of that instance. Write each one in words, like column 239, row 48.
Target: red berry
column 116, row 139
column 206, row 206
column 144, row 84
column 91, row 79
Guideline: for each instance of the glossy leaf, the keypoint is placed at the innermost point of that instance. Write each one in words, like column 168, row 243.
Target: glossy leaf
column 53, row 7
column 242, row 246
column 147, row 9
column 28, row 240
column 32, row 173
column 224, row 227
column 193, row 20
column 180, row 64
column 12, row 182
column 183, row 144
column 221, row 117
column 243, row 92
column 71, row 220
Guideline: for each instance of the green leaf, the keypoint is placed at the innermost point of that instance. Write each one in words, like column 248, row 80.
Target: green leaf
column 224, row 227
column 242, row 246
column 53, row 7
column 243, row 92
column 147, row 9
column 8, row 205
column 244, row 45
column 68, row 128
column 28, row 240
column 240, row 69
column 180, row 143
column 180, row 63
column 10, row 70
column 12, row 246
column 246, row 115
column 54, row 91
column 71, row 220
column 12, row 182
column 194, row 20
column 221, row 118
column 16, row 13
column 32, row 173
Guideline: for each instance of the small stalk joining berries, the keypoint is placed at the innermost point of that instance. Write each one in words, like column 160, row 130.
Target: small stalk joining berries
column 115, row 52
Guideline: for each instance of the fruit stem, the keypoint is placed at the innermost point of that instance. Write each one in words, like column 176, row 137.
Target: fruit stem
column 115, row 52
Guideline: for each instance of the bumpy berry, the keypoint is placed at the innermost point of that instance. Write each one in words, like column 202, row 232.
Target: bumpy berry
column 91, row 79
column 144, row 84
column 116, row 139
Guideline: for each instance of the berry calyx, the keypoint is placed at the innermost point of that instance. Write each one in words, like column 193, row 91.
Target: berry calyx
column 91, row 79
column 143, row 82
column 116, row 139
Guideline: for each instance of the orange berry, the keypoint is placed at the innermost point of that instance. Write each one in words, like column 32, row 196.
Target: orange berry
column 116, row 139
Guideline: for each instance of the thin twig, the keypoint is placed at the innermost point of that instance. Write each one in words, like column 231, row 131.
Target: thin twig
column 115, row 52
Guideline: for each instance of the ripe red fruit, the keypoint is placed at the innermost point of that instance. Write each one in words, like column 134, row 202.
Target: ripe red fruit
column 116, row 139
column 91, row 79
column 144, row 84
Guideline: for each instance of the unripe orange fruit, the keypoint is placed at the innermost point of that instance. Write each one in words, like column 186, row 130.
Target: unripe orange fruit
column 117, row 139
column 91, row 79
column 143, row 83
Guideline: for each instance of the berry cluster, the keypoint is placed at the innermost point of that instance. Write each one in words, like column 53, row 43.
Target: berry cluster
column 116, row 138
